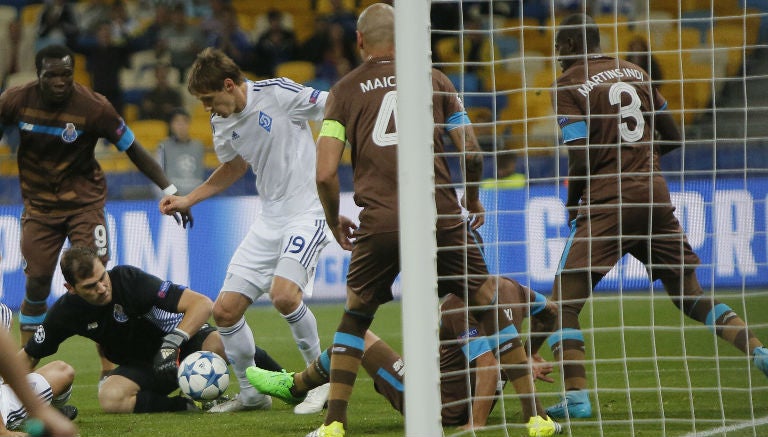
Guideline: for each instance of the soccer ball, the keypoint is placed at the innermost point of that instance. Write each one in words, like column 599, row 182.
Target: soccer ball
column 203, row 375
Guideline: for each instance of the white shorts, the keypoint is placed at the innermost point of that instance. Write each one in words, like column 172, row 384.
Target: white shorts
column 289, row 249
column 12, row 410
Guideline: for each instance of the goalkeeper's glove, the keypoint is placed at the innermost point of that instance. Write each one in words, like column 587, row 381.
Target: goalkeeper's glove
column 166, row 361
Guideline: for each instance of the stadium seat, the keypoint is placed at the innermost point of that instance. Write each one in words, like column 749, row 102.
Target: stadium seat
column 324, row 6
column 298, row 71
column 20, row 78
column 29, row 14
column 150, row 132
column 7, row 14
column 448, row 57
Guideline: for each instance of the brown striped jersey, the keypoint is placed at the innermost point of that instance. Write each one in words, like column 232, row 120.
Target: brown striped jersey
column 58, row 171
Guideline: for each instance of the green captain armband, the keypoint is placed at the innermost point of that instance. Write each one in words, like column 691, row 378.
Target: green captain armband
column 333, row 129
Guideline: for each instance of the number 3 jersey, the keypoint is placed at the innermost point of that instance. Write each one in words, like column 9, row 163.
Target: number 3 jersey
column 609, row 103
column 364, row 102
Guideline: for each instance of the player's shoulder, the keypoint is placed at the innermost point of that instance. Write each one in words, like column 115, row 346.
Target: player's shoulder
column 275, row 85
column 17, row 95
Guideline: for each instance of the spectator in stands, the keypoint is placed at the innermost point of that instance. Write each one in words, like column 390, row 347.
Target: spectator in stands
column 123, row 25
column 276, row 45
column 507, row 177
column 150, row 37
column 231, row 40
column 9, row 59
column 339, row 56
column 181, row 40
column 57, row 24
column 213, row 21
column 160, row 101
column 344, row 17
column 313, row 48
column 181, row 156
column 94, row 13
column 640, row 55
column 105, row 57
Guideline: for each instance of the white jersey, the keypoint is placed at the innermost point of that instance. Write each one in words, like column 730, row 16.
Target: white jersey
column 272, row 134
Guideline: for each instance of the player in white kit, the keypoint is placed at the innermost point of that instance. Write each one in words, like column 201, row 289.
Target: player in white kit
column 51, row 383
column 264, row 125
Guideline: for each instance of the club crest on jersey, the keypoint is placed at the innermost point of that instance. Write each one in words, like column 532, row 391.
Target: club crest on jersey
column 69, row 134
column 40, row 334
column 265, row 121
column 235, row 136
column 119, row 314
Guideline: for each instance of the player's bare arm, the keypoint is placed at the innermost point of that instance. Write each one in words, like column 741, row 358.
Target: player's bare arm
column 464, row 139
column 197, row 309
column 486, row 381
column 329, row 150
column 577, row 176
column 30, row 361
column 668, row 131
column 222, row 178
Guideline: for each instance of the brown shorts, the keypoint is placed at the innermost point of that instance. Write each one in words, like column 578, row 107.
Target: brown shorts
column 376, row 263
column 607, row 232
column 43, row 237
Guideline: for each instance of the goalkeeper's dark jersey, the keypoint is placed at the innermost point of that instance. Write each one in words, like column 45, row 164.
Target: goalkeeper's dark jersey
column 130, row 329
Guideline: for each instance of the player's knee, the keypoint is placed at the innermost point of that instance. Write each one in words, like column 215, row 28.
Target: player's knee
column 113, row 399
column 66, row 371
column 225, row 316
column 285, row 301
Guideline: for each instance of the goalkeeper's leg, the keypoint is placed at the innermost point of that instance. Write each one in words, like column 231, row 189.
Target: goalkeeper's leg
column 686, row 294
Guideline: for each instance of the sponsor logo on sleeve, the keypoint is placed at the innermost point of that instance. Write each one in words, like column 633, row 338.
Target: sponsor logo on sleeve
column 121, row 129
column 313, row 96
column 163, row 291
column 469, row 333
column 562, row 121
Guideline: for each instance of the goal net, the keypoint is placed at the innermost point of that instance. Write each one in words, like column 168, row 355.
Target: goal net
column 650, row 369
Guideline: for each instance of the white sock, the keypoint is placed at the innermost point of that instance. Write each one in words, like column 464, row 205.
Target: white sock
column 304, row 329
column 240, row 348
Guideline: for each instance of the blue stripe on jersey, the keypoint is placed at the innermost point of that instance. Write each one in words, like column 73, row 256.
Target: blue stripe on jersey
column 476, row 347
column 349, row 340
column 565, row 334
column 503, row 336
column 6, row 317
column 126, row 140
column 539, row 304
column 715, row 314
column 46, row 130
column 457, row 119
column 279, row 82
column 567, row 248
column 390, row 379
column 574, row 131
column 164, row 320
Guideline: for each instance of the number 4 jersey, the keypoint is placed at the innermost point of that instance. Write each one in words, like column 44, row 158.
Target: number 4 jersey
column 609, row 103
column 364, row 102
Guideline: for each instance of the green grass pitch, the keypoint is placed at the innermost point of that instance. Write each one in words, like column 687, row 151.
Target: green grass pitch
column 629, row 401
